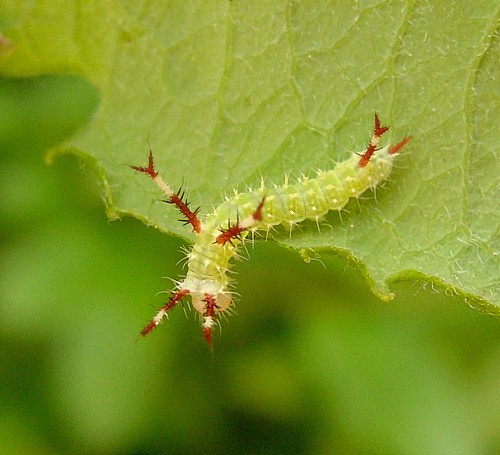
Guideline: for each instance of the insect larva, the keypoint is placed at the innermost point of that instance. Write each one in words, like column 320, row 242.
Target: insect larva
column 219, row 234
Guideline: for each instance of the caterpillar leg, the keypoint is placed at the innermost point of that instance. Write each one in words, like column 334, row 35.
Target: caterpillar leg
column 209, row 320
column 378, row 131
column 395, row 148
column 162, row 312
column 176, row 198
column 233, row 231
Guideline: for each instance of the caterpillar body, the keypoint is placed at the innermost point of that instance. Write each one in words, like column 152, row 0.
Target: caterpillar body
column 219, row 234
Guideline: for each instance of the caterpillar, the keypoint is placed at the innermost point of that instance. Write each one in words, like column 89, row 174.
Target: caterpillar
column 219, row 234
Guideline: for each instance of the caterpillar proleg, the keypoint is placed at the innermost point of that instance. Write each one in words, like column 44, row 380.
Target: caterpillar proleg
column 219, row 234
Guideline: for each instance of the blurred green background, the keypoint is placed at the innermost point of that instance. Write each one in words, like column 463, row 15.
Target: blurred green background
column 312, row 363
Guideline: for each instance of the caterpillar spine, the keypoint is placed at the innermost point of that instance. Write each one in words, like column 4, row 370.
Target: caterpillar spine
column 220, row 233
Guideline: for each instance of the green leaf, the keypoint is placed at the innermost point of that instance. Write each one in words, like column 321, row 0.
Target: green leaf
column 229, row 91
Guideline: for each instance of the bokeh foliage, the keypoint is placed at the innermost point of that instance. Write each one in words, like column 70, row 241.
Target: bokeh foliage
column 312, row 363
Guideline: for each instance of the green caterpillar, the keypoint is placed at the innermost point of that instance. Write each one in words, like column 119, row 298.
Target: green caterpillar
column 218, row 239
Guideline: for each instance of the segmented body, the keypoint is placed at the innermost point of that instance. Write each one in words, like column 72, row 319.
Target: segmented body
column 220, row 233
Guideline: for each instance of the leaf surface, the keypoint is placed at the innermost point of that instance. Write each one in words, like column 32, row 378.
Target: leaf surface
column 227, row 92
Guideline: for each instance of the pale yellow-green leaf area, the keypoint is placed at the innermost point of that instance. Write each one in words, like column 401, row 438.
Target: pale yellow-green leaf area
column 227, row 92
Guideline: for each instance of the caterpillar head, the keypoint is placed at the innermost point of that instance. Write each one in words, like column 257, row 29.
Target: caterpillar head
column 207, row 297
column 209, row 306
